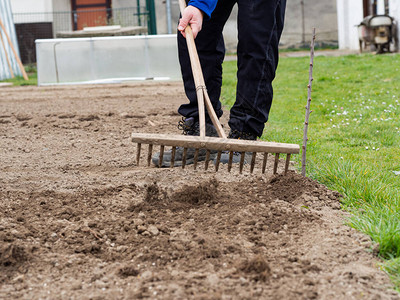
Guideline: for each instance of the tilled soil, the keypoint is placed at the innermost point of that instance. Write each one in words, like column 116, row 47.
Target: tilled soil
column 79, row 219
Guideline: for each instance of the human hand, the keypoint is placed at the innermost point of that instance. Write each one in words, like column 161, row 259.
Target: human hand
column 191, row 16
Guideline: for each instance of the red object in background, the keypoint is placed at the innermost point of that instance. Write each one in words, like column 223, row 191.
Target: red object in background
column 89, row 13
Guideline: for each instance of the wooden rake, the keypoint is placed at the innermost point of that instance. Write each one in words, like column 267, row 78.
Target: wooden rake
column 210, row 144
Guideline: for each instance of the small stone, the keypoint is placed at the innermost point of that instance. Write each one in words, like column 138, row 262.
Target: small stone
column 153, row 230
column 146, row 275
column 141, row 229
column 213, row 279
column 138, row 222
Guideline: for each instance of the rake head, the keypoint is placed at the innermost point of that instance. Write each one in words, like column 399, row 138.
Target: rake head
column 213, row 144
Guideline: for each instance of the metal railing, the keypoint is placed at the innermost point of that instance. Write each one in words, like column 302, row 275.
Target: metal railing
column 32, row 26
column 76, row 20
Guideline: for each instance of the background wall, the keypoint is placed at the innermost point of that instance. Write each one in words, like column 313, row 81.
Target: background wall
column 394, row 6
column 350, row 14
column 36, row 6
column 317, row 13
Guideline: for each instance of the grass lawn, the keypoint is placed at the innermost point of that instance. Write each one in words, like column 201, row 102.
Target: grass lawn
column 354, row 135
column 20, row 81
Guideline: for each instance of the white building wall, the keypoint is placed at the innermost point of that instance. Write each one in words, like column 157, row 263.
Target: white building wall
column 32, row 7
column 394, row 11
column 350, row 14
column 61, row 5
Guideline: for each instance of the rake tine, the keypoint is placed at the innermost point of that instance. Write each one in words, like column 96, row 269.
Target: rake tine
column 139, row 147
column 287, row 163
column 150, row 154
column 207, row 159
column 230, row 161
column 264, row 162
column 218, row 161
column 253, row 162
column 241, row 162
column 184, row 158
column 276, row 163
column 160, row 161
column 196, row 158
column 173, row 156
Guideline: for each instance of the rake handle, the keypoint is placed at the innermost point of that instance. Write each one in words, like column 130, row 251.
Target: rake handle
column 201, row 91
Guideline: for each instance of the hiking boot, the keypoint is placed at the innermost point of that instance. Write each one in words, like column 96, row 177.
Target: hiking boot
column 234, row 134
column 189, row 126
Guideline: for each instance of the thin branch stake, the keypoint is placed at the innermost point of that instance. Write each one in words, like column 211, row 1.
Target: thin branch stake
column 306, row 122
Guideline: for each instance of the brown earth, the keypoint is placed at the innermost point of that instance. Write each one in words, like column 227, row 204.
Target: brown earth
column 79, row 220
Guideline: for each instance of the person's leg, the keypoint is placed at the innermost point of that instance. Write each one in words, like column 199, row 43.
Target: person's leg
column 211, row 50
column 260, row 24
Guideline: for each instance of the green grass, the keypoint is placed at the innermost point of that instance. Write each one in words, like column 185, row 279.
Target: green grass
column 20, row 81
column 354, row 135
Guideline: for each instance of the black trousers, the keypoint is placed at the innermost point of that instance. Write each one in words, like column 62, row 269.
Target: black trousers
column 260, row 24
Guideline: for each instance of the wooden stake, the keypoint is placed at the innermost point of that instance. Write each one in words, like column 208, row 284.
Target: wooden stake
column 150, row 154
column 230, row 161
column 264, row 165
column 196, row 158
column 208, row 154
column 173, row 152
column 218, row 161
column 184, row 157
column 139, row 147
column 305, row 138
column 276, row 163
column 242, row 155
column 253, row 162
column 160, row 161
column 7, row 58
column 15, row 52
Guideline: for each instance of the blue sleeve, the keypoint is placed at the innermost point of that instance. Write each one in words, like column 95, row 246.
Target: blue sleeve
column 207, row 6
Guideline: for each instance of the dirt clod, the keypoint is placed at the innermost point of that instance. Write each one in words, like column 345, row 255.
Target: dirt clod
column 127, row 271
column 203, row 192
column 12, row 254
column 257, row 267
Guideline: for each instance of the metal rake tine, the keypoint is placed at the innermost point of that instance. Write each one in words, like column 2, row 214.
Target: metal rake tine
column 149, row 155
column 276, row 163
column 173, row 157
column 230, row 161
column 253, row 162
column 242, row 155
column 139, row 147
column 160, row 161
column 196, row 158
column 208, row 153
column 264, row 162
column 218, row 161
column 184, row 157
column 287, row 163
